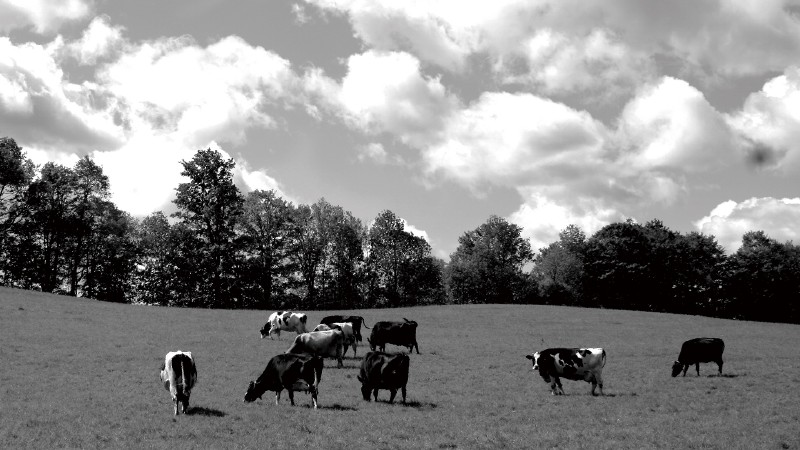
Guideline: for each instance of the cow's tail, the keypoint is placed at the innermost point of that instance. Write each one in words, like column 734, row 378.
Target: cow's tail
column 603, row 358
column 364, row 323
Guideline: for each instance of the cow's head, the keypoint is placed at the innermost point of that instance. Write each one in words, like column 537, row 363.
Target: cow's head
column 253, row 392
column 676, row 368
column 535, row 360
column 265, row 330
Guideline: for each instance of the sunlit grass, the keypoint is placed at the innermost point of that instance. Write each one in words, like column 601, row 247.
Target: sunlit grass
column 80, row 373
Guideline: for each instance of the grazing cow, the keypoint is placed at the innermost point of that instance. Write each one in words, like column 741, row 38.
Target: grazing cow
column 357, row 321
column 284, row 321
column 397, row 333
column 179, row 375
column 381, row 370
column 320, row 343
column 291, row 372
column 696, row 351
column 570, row 363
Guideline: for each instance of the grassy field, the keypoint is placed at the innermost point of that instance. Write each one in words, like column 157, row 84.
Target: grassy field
column 81, row 373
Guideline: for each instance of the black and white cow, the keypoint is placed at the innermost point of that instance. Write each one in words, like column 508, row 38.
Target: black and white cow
column 396, row 333
column 357, row 321
column 179, row 375
column 381, row 370
column 291, row 372
column 570, row 363
column 284, row 321
column 320, row 343
column 696, row 351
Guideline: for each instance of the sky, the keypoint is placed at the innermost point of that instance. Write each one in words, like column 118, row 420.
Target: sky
column 546, row 113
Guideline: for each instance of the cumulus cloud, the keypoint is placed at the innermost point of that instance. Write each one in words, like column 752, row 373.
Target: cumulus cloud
column 729, row 221
column 386, row 92
column 770, row 123
column 543, row 219
column 607, row 40
column 99, row 40
column 514, row 138
column 671, row 125
column 42, row 15
column 44, row 108
column 149, row 106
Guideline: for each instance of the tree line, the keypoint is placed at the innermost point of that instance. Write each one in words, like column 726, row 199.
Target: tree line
column 60, row 233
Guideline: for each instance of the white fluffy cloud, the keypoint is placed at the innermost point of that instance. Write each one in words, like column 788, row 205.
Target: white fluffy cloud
column 573, row 39
column 671, row 125
column 42, row 15
column 770, row 122
column 509, row 139
column 99, row 40
column 778, row 218
column 387, row 92
column 149, row 106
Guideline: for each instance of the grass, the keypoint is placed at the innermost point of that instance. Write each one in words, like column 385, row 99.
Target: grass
column 81, row 373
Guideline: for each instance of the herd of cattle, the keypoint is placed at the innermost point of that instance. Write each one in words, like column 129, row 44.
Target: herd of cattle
column 299, row 369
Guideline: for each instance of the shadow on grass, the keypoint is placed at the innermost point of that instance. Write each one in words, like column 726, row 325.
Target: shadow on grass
column 208, row 412
column 724, row 375
column 619, row 394
column 414, row 404
column 337, row 407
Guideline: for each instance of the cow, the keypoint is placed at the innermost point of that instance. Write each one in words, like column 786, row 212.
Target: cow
column 284, row 321
column 570, row 363
column 179, row 375
column 381, row 370
column 322, row 327
column 291, row 372
column 696, row 351
column 357, row 321
column 349, row 336
column 397, row 333
column 320, row 343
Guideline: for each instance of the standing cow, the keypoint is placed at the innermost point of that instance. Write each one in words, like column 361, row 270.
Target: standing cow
column 381, row 370
column 570, row 363
column 396, row 333
column 179, row 375
column 284, row 321
column 696, row 351
column 357, row 321
column 320, row 343
column 291, row 372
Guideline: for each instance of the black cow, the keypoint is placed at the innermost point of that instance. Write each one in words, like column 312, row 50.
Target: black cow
column 397, row 333
column 696, row 351
column 290, row 372
column 381, row 370
column 357, row 321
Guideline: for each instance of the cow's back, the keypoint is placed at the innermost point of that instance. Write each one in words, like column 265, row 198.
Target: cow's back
column 701, row 350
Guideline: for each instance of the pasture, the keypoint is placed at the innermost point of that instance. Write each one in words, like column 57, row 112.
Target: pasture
column 82, row 373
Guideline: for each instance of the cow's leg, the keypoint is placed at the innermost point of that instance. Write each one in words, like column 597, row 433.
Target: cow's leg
column 277, row 397
column 685, row 368
column 403, row 391
column 185, row 405
column 719, row 364
column 560, row 388
column 697, row 368
column 599, row 379
column 417, row 347
column 339, row 362
column 375, row 394
column 176, row 407
column 392, row 394
column 314, row 398
column 291, row 396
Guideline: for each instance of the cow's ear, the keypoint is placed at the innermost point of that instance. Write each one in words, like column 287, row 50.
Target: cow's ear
column 529, row 357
